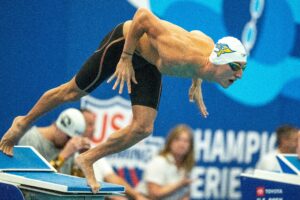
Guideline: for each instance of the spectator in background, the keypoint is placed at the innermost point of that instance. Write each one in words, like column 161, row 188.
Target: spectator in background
column 58, row 142
column 287, row 143
column 90, row 119
column 167, row 176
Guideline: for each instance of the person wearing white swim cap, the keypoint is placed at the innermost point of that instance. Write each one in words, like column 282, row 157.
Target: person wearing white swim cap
column 137, row 53
column 59, row 141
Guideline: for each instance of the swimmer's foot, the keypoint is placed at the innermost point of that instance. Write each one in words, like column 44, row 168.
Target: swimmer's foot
column 87, row 169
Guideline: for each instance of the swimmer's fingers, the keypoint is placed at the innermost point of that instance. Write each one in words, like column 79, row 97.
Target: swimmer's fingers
column 125, row 77
column 203, row 110
column 191, row 95
column 123, row 74
column 201, row 105
column 200, row 102
column 192, row 92
column 121, row 85
column 129, row 79
column 128, row 84
column 195, row 95
column 133, row 78
column 117, row 82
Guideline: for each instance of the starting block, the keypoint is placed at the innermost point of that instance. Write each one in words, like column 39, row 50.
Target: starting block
column 289, row 163
column 30, row 174
column 266, row 185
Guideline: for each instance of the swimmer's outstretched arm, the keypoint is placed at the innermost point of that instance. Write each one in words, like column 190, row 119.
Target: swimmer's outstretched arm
column 48, row 101
column 143, row 22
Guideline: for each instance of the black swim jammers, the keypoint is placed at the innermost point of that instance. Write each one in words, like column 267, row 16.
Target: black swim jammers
column 102, row 64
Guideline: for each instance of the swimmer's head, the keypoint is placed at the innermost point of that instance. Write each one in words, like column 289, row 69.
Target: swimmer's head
column 228, row 50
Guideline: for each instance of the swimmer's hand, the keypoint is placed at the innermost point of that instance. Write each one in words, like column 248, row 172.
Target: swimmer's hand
column 124, row 73
column 195, row 95
column 12, row 136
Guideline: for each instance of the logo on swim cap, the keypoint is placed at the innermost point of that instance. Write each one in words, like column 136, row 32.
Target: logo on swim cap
column 227, row 50
column 222, row 49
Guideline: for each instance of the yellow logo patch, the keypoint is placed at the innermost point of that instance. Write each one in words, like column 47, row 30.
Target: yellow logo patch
column 222, row 49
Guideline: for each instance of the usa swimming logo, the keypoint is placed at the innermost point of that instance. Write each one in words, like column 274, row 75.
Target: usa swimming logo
column 111, row 115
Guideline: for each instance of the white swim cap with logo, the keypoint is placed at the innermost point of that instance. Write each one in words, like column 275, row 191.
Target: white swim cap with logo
column 71, row 121
column 226, row 50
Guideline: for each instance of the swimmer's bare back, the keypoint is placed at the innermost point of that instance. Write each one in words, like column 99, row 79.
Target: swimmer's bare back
column 172, row 49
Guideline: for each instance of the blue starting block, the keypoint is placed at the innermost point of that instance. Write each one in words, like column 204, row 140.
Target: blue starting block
column 289, row 163
column 266, row 185
column 29, row 172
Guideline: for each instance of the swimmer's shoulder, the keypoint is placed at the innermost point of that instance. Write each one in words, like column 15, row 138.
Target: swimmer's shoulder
column 203, row 37
column 126, row 27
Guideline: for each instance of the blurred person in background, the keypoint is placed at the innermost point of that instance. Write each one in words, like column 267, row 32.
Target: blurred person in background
column 58, row 142
column 286, row 136
column 167, row 175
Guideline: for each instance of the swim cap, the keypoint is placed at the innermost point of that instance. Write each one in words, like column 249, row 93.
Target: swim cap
column 227, row 50
column 71, row 121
